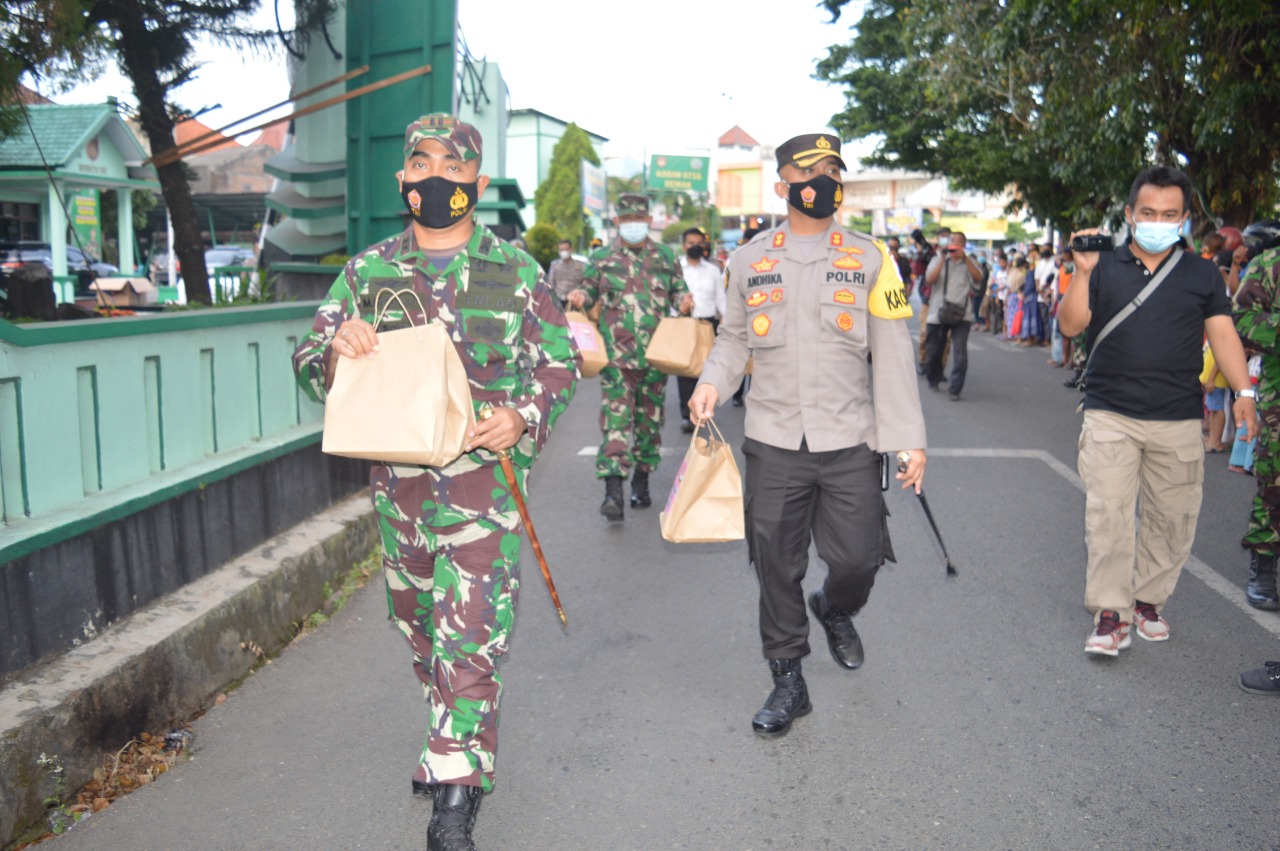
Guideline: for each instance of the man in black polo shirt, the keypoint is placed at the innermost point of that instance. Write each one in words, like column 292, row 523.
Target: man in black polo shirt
column 1141, row 431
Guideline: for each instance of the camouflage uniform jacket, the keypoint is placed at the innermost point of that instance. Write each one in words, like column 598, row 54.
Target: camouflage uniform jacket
column 636, row 287
column 1257, row 316
column 505, row 323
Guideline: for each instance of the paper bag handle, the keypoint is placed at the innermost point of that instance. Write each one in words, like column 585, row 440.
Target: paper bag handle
column 395, row 295
column 713, row 430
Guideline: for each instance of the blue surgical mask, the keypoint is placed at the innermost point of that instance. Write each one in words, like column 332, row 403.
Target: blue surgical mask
column 633, row 232
column 1156, row 237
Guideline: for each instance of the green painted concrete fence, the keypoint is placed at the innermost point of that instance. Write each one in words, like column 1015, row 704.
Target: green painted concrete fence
column 100, row 418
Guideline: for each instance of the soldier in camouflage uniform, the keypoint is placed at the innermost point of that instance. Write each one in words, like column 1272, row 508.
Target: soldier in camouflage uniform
column 637, row 281
column 451, row 535
column 1257, row 317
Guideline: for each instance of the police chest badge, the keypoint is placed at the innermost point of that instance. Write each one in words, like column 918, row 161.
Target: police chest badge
column 757, row 298
column 458, row 202
column 760, row 325
column 844, row 322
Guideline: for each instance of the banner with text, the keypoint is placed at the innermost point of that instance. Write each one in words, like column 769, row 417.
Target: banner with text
column 678, row 174
column 595, row 189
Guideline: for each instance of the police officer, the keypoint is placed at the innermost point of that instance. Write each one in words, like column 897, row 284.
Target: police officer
column 451, row 535
column 637, row 282
column 823, row 311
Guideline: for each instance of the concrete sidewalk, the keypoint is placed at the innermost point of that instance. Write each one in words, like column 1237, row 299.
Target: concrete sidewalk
column 167, row 661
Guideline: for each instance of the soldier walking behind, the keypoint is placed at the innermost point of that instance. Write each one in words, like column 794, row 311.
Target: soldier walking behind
column 1257, row 316
column 823, row 311
column 637, row 282
column 451, row 535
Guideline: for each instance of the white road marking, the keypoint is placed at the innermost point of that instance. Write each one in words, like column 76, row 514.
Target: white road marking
column 1197, row 568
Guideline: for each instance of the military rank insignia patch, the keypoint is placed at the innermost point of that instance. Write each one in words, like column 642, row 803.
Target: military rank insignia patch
column 779, row 239
column 757, row 298
column 765, row 264
column 837, row 239
column 845, row 297
column 760, row 325
column 844, row 322
column 776, row 296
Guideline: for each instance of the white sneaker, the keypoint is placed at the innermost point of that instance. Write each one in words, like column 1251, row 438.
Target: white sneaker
column 1148, row 622
column 1110, row 637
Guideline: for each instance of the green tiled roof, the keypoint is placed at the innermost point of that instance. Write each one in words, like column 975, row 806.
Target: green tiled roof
column 62, row 129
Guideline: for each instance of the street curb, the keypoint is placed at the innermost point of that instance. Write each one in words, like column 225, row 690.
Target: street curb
column 169, row 660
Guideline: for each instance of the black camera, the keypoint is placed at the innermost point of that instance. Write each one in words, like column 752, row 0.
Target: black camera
column 1092, row 242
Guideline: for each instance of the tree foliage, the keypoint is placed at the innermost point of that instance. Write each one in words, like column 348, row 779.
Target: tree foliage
column 543, row 240
column 559, row 198
column 1066, row 101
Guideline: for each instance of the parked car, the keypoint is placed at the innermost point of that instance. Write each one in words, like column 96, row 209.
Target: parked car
column 227, row 255
column 14, row 255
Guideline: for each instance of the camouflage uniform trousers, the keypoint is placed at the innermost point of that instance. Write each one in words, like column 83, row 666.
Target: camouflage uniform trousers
column 451, row 544
column 631, row 420
column 1263, row 534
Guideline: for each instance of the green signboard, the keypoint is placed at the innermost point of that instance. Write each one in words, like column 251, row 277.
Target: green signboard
column 678, row 174
column 85, row 220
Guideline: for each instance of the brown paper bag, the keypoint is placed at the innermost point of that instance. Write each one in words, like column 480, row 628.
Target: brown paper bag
column 410, row 404
column 590, row 343
column 680, row 345
column 705, row 502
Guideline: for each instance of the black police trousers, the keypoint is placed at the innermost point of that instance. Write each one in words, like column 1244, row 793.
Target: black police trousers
column 793, row 497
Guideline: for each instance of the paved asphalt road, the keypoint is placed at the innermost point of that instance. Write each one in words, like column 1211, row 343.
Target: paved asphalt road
column 977, row 722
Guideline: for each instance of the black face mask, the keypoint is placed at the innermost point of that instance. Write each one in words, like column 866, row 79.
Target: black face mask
column 818, row 198
column 694, row 252
column 438, row 203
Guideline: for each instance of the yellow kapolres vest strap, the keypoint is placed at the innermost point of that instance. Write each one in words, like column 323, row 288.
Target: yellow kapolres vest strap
column 889, row 295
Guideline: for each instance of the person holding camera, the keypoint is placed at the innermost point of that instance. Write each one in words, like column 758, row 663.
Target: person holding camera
column 1147, row 305
column 954, row 277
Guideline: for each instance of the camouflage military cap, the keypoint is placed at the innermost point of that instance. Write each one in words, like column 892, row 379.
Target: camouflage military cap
column 633, row 205
column 459, row 138
column 804, row 151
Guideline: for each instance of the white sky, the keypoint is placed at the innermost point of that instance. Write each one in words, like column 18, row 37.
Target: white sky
column 662, row 76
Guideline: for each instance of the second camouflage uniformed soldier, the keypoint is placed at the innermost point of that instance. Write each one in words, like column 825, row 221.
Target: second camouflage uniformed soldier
column 1257, row 316
column 822, row 310
column 637, row 282
column 451, row 535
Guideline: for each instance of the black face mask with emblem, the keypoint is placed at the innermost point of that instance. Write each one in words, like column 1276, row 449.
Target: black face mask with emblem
column 818, row 198
column 438, row 203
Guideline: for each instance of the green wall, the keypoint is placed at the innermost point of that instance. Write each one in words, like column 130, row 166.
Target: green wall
column 394, row 37
column 102, row 417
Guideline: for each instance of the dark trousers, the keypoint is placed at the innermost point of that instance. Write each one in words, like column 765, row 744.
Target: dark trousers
column 796, row 496
column 935, row 340
column 686, row 386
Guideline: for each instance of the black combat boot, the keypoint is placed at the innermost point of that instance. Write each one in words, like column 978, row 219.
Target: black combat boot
column 454, row 817
column 788, row 701
column 612, row 505
column 1261, row 592
column 640, row 489
column 842, row 638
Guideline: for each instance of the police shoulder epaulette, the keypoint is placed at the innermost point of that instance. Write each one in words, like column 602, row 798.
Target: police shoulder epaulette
column 888, row 299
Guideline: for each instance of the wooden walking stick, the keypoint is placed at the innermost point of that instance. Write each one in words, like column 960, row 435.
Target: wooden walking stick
column 510, row 472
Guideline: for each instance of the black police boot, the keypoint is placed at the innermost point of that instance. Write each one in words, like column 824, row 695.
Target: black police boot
column 640, row 489
column 454, row 817
column 788, row 701
column 842, row 638
column 612, row 505
column 1261, row 592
